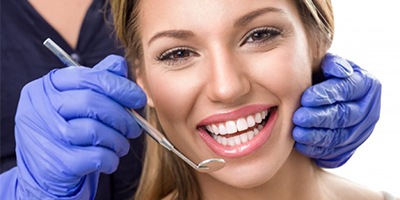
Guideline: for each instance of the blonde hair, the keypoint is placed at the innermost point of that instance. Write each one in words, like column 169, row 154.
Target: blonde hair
column 163, row 173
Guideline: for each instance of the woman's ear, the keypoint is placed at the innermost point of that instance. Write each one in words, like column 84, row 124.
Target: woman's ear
column 140, row 80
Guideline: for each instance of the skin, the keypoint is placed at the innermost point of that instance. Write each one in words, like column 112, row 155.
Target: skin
column 222, row 65
column 65, row 16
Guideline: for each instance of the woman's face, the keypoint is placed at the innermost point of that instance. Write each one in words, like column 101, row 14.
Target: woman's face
column 225, row 78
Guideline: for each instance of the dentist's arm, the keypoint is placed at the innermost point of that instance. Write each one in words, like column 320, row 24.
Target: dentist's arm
column 72, row 125
column 337, row 115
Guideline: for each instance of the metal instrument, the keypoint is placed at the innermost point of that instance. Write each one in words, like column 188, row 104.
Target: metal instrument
column 209, row 165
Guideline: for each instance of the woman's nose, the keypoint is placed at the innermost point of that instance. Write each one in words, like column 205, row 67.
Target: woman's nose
column 227, row 78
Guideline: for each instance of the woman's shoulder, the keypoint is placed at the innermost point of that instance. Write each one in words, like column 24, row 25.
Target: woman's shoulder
column 343, row 188
column 388, row 196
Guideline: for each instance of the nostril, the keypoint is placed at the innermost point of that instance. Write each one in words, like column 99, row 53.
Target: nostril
column 228, row 90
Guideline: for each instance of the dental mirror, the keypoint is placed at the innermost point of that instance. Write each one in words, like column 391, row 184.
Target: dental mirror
column 209, row 165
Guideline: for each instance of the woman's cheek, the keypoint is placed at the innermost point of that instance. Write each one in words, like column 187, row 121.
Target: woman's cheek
column 284, row 74
column 173, row 94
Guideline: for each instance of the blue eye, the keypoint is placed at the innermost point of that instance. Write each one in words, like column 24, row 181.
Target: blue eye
column 261, row 35
column 176, row 55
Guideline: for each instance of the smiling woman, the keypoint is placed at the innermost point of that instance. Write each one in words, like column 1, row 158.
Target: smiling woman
column 223, row 79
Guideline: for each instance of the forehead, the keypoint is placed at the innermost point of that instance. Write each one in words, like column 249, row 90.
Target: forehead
column 159, row 15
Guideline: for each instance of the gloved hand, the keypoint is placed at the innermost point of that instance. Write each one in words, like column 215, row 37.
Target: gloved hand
column 339, row 114
column 71, row 125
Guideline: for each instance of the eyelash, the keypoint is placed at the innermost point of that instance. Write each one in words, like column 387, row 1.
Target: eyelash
column 169, row 60
column 171, row 57
column 269, row 34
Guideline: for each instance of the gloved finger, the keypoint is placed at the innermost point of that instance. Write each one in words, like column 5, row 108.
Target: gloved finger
column 344, row 114
column 316, row 152
column 88, row 132
column 336, row 66
column 104, row 82
column 327, row 153
column 85, row 160
column 336, row 90
column 331, row 138
column 313, row 152
column 113, row 63
column 59, row 159
column 331, row 117
column 89, row 104
column 322, row 137
column 35, row 111
column 333, row 163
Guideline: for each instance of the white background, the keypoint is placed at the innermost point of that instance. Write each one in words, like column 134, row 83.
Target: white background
column 368, row 33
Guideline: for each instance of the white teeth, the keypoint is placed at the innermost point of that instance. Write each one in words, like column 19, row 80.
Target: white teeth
column 250, row 135
column 238, row 139
column 222, row 129
column 241, row 124
column 244, row 138
column 258, row 118
column 231, row 142
column 250, row 121
column 224, row 140
column 208, row 127
column 230, row 127
column 264, row 113
column 256, row 131
column 214, row 128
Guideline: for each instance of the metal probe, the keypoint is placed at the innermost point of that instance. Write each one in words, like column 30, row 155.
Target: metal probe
column 209, row 165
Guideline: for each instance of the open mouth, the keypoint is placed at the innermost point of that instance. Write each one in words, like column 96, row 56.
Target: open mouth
column 236, row 132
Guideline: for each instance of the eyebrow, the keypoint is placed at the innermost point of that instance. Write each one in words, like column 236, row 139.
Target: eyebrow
column 183, row 34
column 254, row 14
column 179, row 34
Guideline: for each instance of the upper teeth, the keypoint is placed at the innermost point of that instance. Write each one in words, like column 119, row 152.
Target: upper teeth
column 241, row 124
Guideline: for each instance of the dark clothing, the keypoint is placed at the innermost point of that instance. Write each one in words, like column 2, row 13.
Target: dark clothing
column 24, row 58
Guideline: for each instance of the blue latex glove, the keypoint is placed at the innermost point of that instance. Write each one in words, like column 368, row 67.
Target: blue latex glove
column 339, row 114
column 71, row 125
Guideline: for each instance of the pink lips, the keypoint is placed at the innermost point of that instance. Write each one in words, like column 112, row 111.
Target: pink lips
column 244, row 148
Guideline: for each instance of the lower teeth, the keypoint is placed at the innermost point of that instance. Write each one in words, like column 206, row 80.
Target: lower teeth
column 239, row 139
